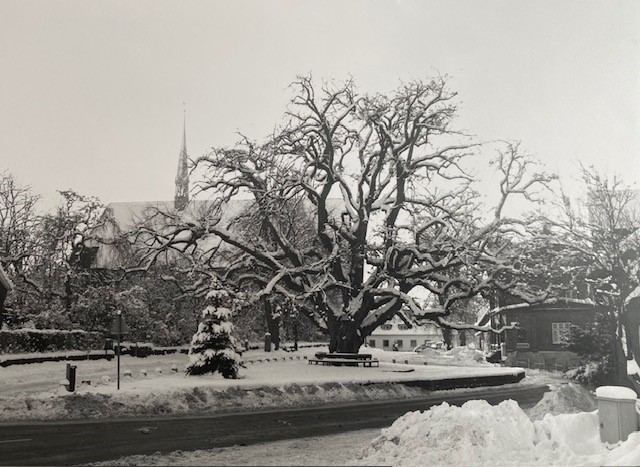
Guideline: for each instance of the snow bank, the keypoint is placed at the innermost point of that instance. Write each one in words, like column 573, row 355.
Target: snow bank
column 467, row 355
column 457, row 356
column 480, row 434
column 199, row 400
column 563, row 398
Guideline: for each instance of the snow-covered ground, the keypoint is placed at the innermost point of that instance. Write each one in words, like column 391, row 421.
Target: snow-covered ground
column 562, row 429
column 474, row 434
column 275, row 379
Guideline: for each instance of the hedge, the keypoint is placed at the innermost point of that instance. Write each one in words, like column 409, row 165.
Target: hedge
column 49, row 340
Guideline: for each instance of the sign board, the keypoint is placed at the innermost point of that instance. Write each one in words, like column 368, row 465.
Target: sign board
column 119, row 327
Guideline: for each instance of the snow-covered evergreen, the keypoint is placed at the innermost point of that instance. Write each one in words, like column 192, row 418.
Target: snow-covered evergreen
column 212, row 346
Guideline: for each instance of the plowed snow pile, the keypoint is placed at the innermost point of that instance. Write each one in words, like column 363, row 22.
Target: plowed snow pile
column 480, row 434
column 563, row 398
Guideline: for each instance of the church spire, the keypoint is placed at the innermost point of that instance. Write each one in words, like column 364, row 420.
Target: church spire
column 182, row 178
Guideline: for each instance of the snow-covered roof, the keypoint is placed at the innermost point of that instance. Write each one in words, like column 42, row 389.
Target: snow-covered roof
column 484, row 317
column 416, row 329
column 124, row 217
column 127, row 215
column 4, row 280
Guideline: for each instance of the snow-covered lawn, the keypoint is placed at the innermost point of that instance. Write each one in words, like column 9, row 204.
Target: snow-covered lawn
column 562, row 430
column 32, row 392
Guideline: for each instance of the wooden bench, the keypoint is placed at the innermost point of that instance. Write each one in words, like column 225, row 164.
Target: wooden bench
column 337, row 361
column 352, row 356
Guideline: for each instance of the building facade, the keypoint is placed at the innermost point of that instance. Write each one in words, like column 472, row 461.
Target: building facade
column 538, row 341
column 396, row 334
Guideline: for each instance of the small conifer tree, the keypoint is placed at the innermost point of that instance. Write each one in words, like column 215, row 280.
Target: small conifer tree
column 594, row 344
column 212, row 346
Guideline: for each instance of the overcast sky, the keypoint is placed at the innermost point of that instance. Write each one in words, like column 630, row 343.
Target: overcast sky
column 92, row 92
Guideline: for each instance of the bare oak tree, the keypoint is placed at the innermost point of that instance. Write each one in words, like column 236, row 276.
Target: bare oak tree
column 360, row 203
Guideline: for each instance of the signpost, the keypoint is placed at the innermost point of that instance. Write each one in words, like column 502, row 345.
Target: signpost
column 119, row 329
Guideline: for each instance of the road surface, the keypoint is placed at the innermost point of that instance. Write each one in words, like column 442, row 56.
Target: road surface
column 74, row 442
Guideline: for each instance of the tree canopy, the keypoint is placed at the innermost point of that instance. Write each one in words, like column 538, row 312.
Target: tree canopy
column 361, row 203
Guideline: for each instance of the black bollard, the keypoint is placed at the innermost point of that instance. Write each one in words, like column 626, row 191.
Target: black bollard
column 267, row 342
column 71, row 377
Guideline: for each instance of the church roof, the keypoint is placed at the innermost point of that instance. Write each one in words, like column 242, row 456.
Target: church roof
column 128, row 215
column 125, row 218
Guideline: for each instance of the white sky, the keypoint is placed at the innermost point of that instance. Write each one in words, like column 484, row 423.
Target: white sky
column 92, row 92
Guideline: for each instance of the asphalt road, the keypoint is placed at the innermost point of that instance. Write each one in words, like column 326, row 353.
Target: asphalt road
column 64, row 443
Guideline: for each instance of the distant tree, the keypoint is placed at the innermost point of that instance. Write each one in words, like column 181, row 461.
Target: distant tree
column 600, row 244
column 46, row 255
column 363, row 199
column 213, row 347
column 18, row 230
column 464, row 312
column 594, row 344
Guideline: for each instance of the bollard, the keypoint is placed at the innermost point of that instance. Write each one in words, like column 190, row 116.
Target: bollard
column 126, row 373
column 174, row 368
column 64, row 383
column 616, row 413
column 267, row 342
column 71, row 377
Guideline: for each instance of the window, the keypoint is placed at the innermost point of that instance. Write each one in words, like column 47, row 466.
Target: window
column 522, row 335
column 386, row 327
column 559, row 332
column 372, row 342
column 398, row 342
column 521, row 340
column 414, row 343
column 403, row 327
column 385, row 343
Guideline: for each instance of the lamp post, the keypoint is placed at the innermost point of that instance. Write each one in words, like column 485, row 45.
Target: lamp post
column 119, row 329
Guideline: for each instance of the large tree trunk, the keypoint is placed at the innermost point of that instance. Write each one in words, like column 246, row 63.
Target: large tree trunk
column 273, row 323
column 623, row 379
column 344, row 336
column 3, row 296
column 446, row 337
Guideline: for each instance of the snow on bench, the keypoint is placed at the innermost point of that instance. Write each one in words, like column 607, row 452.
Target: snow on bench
column 334, row 361
column 353, row 356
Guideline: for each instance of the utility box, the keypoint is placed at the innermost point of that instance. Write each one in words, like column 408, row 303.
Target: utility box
column 616, row 413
